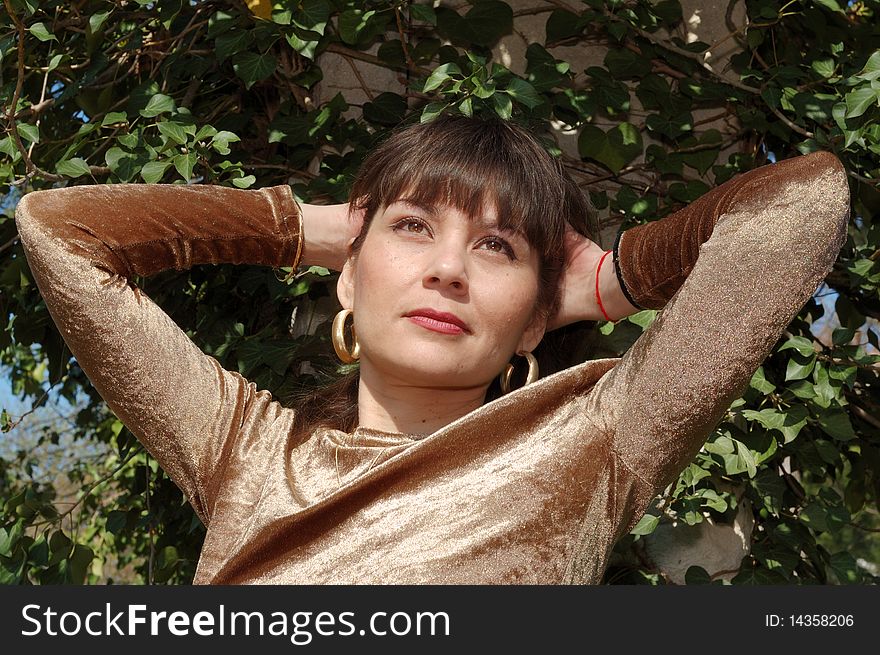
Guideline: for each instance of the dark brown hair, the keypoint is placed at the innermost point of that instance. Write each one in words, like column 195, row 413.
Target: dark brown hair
column 465, row 163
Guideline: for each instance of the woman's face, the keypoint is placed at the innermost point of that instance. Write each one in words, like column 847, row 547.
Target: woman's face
column 419, row 260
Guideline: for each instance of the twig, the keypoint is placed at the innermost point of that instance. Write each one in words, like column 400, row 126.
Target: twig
column 562, row 5
column 191, row 90
column 661, row 67
column 181, row 34
column 281, row 167
column 712, row 119
column 723, row 39
column 788, row 480
column 797, row 128
column 9, row 243
column 88, row 491
column 42, row 98
column 695, row 57
column 152, row 536
column 409, row 59
column 865, row 416
column 38, row 108
column 861, row 178
column 16, row 95
column 370, row 59
column 848, row 362
column 39, row 401
column 531, row 11
column 360, row 78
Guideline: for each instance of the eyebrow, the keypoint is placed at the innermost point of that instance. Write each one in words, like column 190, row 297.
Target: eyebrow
column 433, row 210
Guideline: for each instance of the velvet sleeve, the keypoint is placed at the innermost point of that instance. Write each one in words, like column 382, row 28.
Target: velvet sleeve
column 85, row 243
column 730, row 272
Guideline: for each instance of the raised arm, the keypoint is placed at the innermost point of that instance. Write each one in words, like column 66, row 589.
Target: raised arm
column 83, row 245
column 730, row 272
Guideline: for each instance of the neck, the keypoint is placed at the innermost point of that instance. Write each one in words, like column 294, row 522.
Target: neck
column 390, row 405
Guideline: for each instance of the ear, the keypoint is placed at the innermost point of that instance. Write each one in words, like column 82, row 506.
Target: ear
column 533, row 333
column 345, row 284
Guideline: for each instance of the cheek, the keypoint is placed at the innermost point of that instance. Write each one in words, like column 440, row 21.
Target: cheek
column 511, row 301
column 379, row 276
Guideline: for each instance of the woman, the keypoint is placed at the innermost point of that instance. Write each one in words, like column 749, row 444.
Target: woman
column 432, row 484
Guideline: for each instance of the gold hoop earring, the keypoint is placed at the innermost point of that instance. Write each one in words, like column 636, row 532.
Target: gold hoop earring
column 508, row 371
column 338, row 338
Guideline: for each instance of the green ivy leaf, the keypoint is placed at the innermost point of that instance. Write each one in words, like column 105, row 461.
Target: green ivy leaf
column 116, row 521
column 80, row 559
column 789, row 423
column 386, row 109
column 424, row 13
column 760, row 383
column 624, row 64
column 803, row 345
column 431, row 111
column 615, row 149
column 114, row 118
column 646, row 525
column 231, row 43
column 120, row 162
column 440, row 75
column 73, row 167
column 97, row 19
column 304, row 47
column 814, row 515
column 836, row 423
column 158, row 104
column 523, row 92
column 153, row 171
column 314, row 16
column 858, row 100
column 220, row 141
column 845, row 568
column 488, row 21
column 669, row 11
column 54, row 62
column 252, row 67
column 503, row 105
column 173, row 131
column 871, row 71
column 30, row 133
column 771, row 489
column 799, row 367
column 184, row 164
column 833, row 5
column 357, row 26
column 562, row 24
column 42, row 32
column 697, row 575
column 244, row 182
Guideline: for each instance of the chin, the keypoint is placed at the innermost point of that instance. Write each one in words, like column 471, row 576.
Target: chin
column 429, row 369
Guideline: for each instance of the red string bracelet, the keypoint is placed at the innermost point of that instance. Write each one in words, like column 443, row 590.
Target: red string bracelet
column 598, row 299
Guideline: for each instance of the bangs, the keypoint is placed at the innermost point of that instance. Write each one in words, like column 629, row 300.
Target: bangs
column 471, row 166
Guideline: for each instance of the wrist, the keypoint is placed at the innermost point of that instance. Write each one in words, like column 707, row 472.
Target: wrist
column 324, row 232
column 613, row 298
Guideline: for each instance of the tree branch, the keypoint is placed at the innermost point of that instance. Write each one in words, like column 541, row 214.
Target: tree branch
column 687, row 54
column 370, row 59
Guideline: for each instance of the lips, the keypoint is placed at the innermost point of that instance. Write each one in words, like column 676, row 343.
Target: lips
column 444, row 317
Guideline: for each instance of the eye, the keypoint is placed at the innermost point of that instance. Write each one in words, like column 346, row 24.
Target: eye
column 497, row 244
column 410, row 224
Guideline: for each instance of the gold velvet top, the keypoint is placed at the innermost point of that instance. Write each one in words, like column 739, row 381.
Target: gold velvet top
column 534, row 487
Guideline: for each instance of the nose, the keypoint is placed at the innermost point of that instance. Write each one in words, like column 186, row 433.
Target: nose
column 447, row 268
